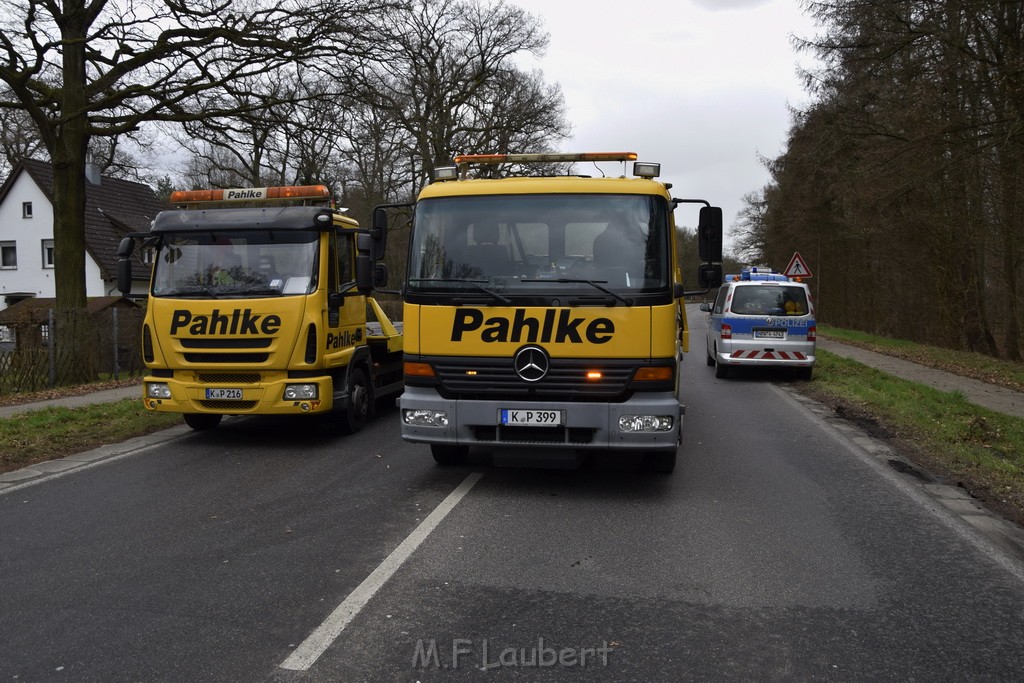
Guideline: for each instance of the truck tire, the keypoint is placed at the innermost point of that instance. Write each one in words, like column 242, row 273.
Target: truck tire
column 446, row 456
column 202, row 421
column 660, row 461
column 354, row 416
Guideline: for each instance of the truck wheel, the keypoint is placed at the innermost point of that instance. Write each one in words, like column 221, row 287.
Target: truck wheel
column 354, row 416
column 446, row 456
column 660, row 461
column 202, row 421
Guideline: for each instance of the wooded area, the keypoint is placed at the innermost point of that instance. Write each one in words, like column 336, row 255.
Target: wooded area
column 903, row 183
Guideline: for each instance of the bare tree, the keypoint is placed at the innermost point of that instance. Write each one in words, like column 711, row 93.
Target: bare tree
column 84, row 69
column 19, row 138
column 449, row 60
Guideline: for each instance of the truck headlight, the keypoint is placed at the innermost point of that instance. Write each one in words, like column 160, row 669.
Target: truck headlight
column 646, row 423
column 301, row 392
column 158, row 390
column 425, row 418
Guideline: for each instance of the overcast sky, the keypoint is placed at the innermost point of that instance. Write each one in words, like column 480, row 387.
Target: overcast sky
column 702, row 86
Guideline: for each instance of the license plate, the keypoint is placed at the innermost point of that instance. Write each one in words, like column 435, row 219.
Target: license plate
column 224, row 394
column 541, row 418
column 769, row 334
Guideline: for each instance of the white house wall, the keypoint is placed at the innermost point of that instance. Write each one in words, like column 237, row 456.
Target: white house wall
column 28, row 233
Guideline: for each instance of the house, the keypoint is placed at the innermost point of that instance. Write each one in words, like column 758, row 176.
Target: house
column 114, row 207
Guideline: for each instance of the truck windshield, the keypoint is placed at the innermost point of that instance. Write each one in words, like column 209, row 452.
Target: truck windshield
column 235, row 264
column 525, row 244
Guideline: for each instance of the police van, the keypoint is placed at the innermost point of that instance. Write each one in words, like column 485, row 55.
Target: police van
column 761, row 318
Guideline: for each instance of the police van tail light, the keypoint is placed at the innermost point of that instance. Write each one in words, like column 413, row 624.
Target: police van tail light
column 812, row 333
column 726, row 331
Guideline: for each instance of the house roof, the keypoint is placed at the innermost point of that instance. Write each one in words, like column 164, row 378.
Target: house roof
column 113, row 208
column 35, row 310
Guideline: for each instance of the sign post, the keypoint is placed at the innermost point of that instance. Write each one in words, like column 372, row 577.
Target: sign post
column 797, row 267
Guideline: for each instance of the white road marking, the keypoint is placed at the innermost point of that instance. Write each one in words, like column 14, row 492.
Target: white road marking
column 306, row 654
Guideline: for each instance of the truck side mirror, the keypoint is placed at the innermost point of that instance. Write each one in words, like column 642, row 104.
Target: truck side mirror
column 709, row 275
column 379, row 233
column 709, row 234
column 380, row 275
column 364, row 262
column 124, row 265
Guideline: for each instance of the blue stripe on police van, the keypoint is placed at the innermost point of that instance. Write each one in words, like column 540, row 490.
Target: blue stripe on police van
column 746, row 325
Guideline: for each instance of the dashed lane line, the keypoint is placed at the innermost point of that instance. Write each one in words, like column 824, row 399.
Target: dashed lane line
column 306, row 654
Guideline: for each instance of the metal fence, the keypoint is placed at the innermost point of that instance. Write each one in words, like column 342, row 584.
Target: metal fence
column 58, row 347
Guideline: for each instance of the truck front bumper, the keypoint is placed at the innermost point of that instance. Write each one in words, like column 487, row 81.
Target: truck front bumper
column 585, row 425
column 188, row 393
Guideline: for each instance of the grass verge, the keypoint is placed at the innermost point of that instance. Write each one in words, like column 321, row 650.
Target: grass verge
column 981, row 450
column 965, row 363
column 55, row 432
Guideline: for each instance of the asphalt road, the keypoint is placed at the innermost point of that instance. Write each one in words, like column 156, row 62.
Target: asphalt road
column 272, row 550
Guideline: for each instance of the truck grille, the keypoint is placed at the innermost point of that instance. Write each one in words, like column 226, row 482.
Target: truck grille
column 226, row 357
column 533, row 435
column 567, row 378
column 229, row 377
column 228, row 406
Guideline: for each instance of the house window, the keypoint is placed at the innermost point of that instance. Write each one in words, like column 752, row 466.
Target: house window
column 8, row 255
column 6, row 334
column 47, row 253
column 26, row 209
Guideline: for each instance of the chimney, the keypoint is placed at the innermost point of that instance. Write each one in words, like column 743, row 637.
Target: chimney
column 92, row 173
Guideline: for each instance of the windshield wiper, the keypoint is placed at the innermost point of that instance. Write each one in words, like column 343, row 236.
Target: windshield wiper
column 255, row 290
column 593, row 283
column 473, row 283
column 187, row 292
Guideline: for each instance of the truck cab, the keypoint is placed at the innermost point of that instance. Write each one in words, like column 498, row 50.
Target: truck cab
column 258, row 305
column 545, row 312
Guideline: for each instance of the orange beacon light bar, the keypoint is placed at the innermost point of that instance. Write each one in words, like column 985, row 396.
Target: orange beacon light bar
column 249, row 194
column 536, row 158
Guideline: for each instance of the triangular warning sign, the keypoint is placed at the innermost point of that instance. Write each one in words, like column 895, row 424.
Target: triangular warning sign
column 797, row 267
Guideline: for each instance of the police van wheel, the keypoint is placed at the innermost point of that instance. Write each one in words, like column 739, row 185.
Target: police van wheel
column 446, row 456
column 805, row 374
column 711, row 360
column 354, row 416
column 660, row 461
column 721, row 370
column 202, row 421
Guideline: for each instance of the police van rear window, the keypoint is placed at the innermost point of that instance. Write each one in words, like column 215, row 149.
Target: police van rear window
column 769, row 300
